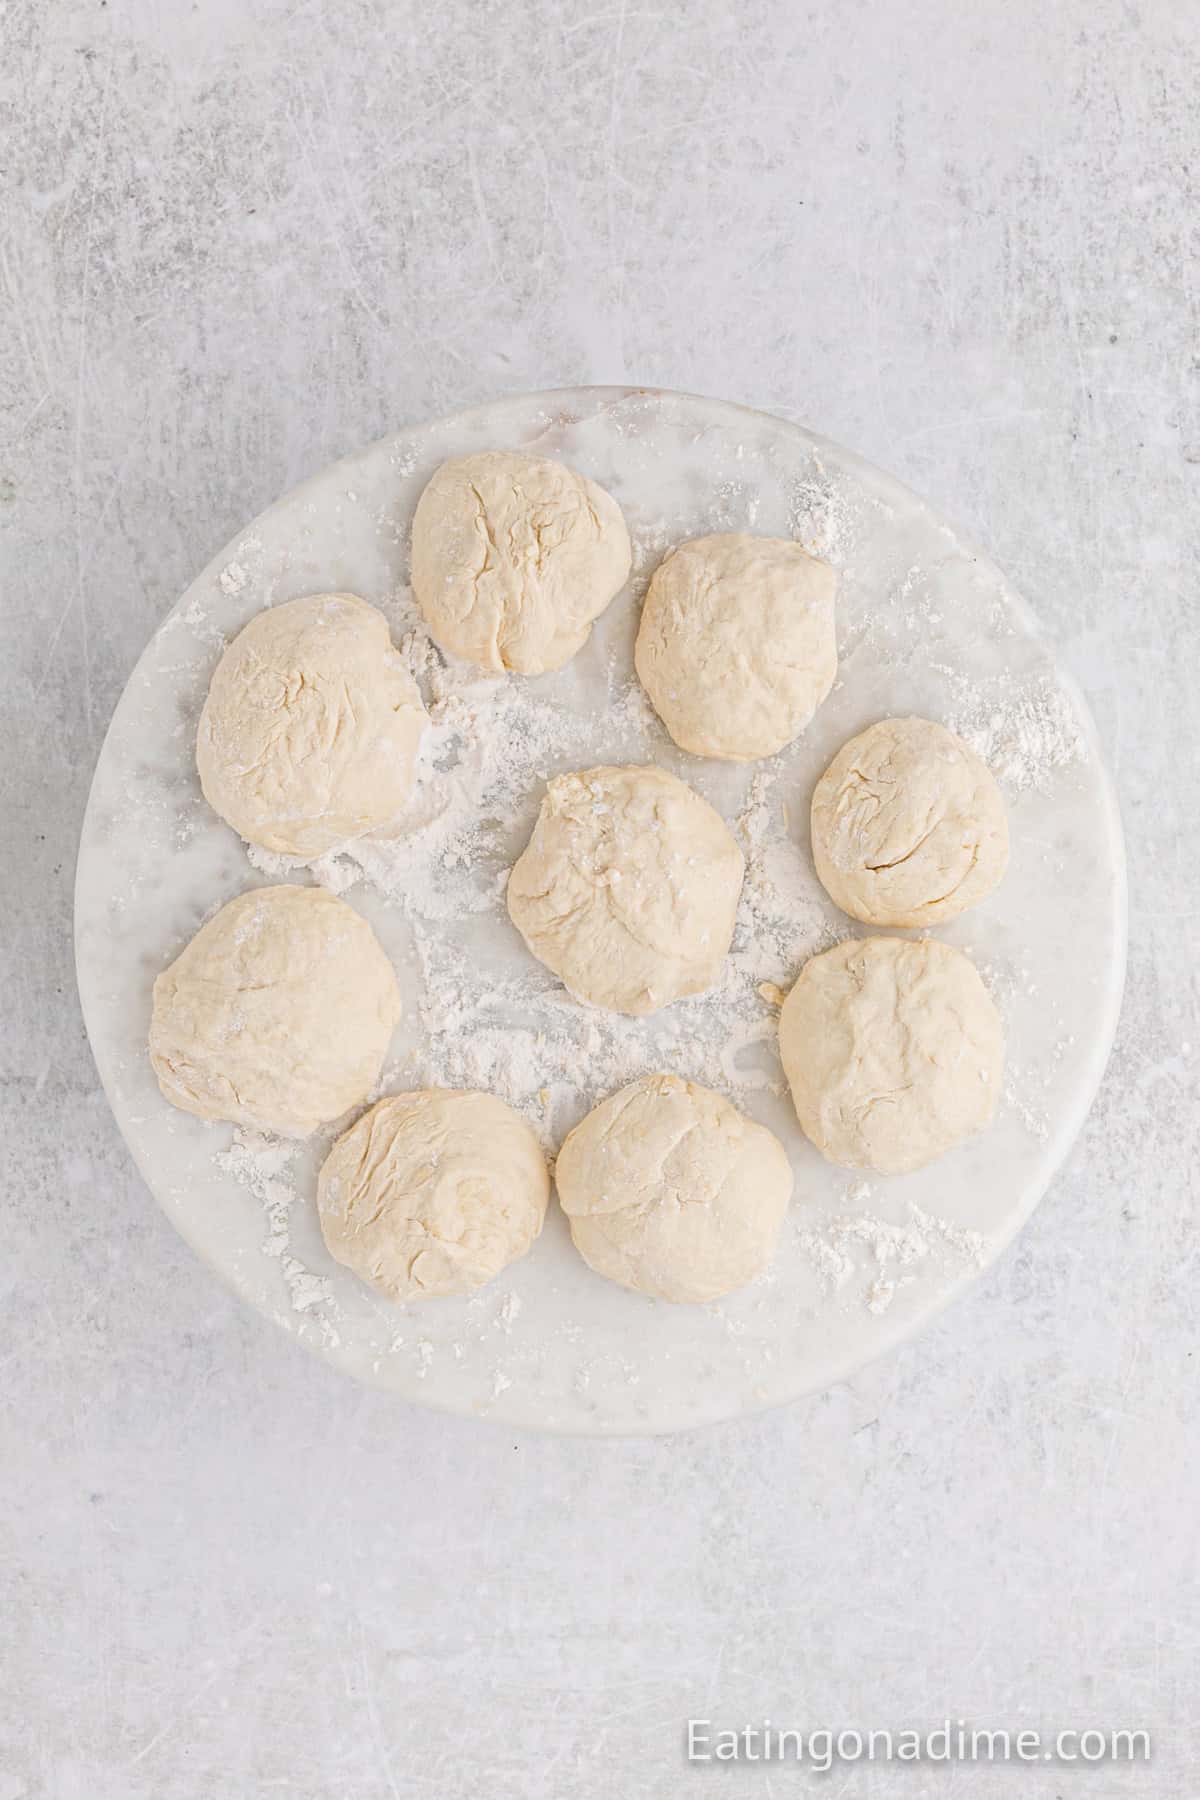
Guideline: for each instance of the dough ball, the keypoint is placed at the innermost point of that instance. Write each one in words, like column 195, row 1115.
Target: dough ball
column 628, row 888
column 433, row 1193
column 672, row 1192
column 908, row 827
column 513, row 557
column 893, row 1050
column 310, row 731
column 736, row 647
column 277, row 1015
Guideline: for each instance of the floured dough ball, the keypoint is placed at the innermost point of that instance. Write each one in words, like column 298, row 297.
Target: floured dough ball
column 309, row 734
column 513, row 557
column 670, row 1191
column 628, row 888
column 736, row 647
column 908, row 827
column 893, row 1051
column 433, row 1193
column 277, row 1015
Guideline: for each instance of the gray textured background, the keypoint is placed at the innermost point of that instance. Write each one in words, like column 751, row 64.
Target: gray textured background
column 240, row 237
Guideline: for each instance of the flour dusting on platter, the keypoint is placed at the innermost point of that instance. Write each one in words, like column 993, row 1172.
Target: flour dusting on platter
column 924, row 626
column 488, row 748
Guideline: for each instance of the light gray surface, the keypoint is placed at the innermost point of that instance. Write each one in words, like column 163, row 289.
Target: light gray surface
column 237, row 239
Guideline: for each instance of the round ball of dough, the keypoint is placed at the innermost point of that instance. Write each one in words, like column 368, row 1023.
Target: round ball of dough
column 277, row 1015
column 908, row 827
column 893, row 1051
column 672, row 1192
column 433, row 1193
column 513, row 557
column 628, row 888
column 736, row 646
column 310, row 731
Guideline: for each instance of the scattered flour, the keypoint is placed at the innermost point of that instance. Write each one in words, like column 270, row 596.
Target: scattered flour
column 262, row 1163
column 819, row 516
column 1023, row 731
column 488, row 750
column 836, row 1246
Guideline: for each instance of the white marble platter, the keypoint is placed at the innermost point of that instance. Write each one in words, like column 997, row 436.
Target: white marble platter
column 926, row 625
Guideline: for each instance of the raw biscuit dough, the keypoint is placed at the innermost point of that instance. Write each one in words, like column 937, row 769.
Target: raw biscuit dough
column 513, row 557
column 309, row 734
column 736, row 647
column 277, row 1015
column 908, row 827
column 433, row 1192
column 671, row 1191
column 893, row 1050
column 628, row 888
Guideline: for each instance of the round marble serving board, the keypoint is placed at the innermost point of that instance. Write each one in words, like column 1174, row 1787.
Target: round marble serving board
column 925, row 625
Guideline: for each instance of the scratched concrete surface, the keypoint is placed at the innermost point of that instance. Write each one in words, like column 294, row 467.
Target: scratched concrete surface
column 240, row 237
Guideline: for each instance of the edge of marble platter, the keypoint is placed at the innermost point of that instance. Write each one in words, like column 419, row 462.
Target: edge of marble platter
column 514, row 1405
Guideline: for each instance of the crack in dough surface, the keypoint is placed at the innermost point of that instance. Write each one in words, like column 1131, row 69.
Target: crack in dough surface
column 671, row 1191
column 736, row 645
column 893, row 1050
column 309, row 735
column 433, row 1192
column 628, row 888
column 514, row 557
column 277, row 1015
column 908, row 825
